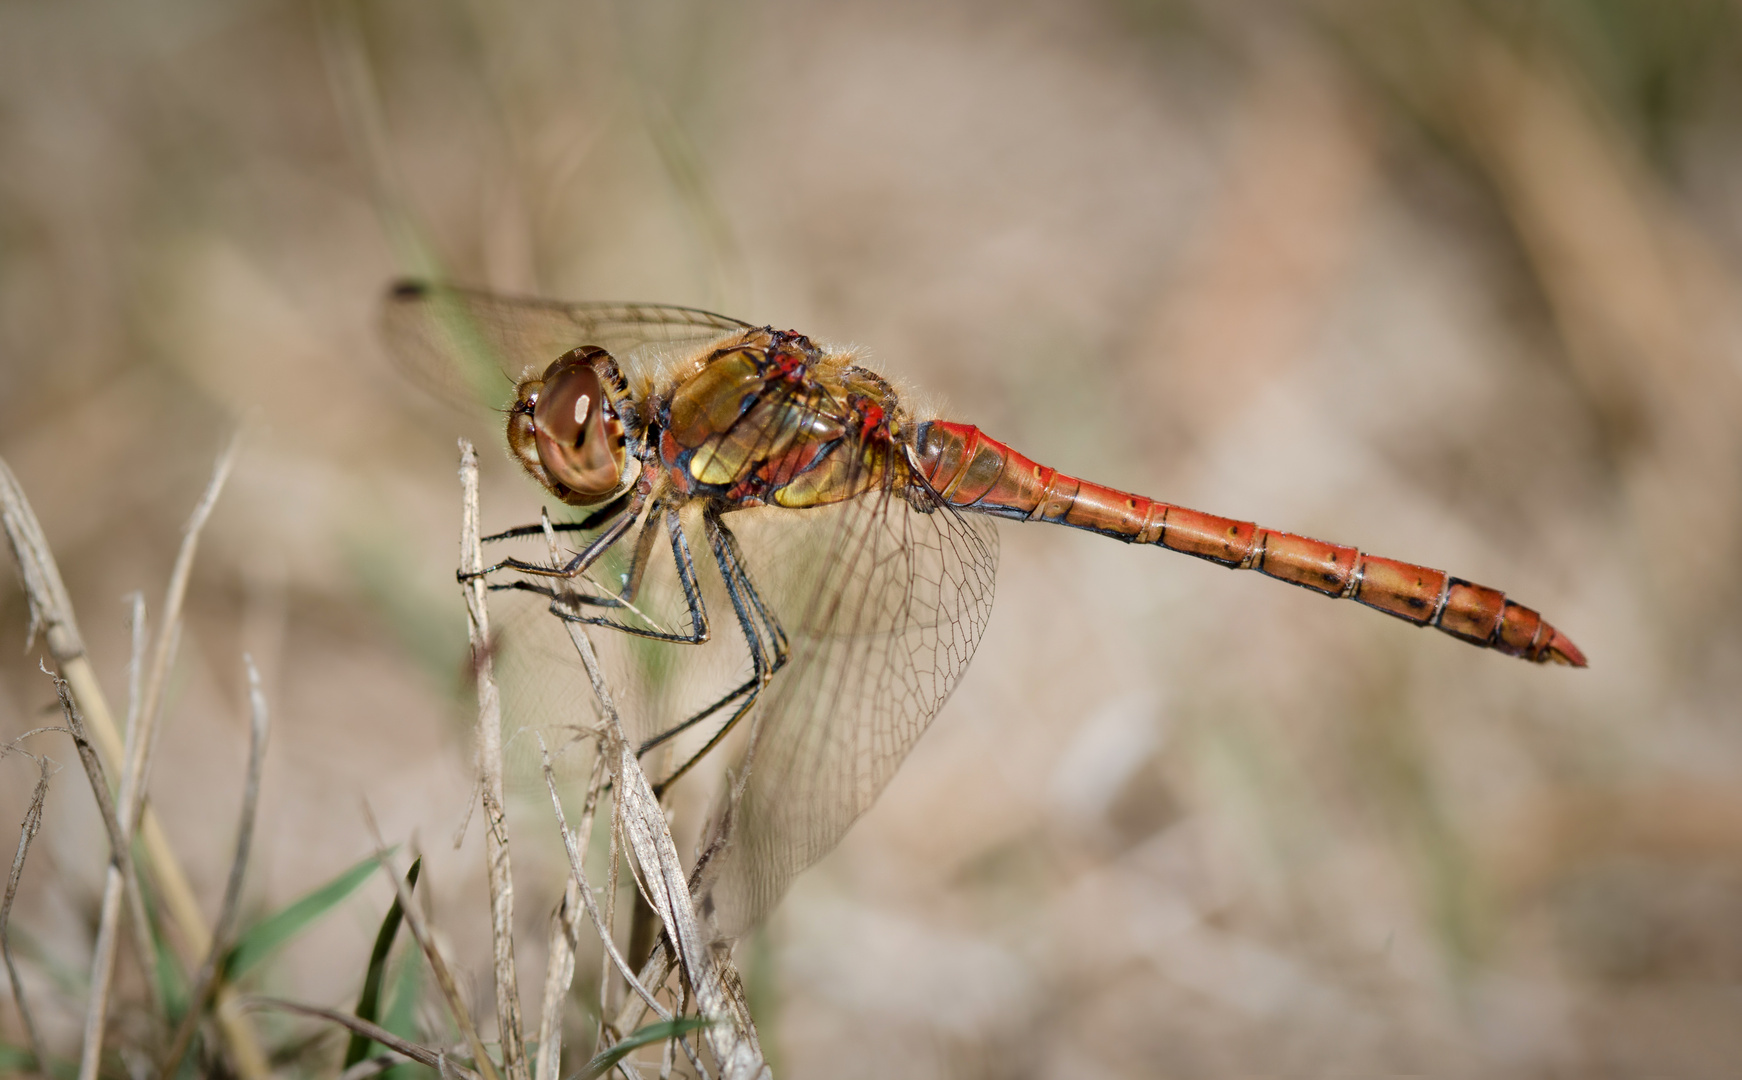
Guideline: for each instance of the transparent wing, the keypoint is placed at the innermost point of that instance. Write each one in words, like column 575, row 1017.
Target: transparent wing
column 468, row 346
column 882, row 626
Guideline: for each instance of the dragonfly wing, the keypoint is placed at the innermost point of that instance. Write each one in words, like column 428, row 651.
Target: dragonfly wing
column 468, row 346
column 890, row 617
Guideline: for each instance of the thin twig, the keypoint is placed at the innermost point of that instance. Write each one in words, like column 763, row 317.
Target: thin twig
column 26, row 833
column 258, row 728
column 437, row 964
column 422, row 1055
column 51, row 612
column 490, row 765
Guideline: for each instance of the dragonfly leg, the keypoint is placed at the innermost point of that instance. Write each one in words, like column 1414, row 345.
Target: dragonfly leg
column 586, row 557
column 756, row 621
column 565, row 604
column 776, row 634
column 587, row 524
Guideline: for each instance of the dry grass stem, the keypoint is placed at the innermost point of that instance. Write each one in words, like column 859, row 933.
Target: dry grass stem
column 26, row 833
column 133, row 781
column 639, row 816
column 559, row 973
column 653, row 973
column 114, row 889
column 51, row 612
column 490, row 767
column 142, row 737
column 578, row 878
column 610, row 737
column 644, row 825
column 438, row 965
column 420, row 1054
column 144, row 946
column 138, row 632
column 259, row 725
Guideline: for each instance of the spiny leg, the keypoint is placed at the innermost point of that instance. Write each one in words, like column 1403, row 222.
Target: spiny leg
column 730, row 560
column 746, row 602
column 626, row 513
column 776, row 634
column 587, row 524
column 755, row 620
column 564, row 604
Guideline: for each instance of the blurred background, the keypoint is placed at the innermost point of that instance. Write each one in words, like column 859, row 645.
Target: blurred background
column 1459, row 282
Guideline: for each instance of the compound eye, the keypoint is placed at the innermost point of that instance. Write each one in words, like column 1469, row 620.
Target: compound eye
column 580, row 441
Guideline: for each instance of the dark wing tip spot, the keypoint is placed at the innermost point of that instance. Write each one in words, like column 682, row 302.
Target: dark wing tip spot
column 409, row 290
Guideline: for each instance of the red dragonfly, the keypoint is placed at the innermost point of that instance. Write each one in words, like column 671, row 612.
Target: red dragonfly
column 870, row 579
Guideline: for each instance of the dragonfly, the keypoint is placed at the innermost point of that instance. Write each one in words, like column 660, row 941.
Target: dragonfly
column 849, row 540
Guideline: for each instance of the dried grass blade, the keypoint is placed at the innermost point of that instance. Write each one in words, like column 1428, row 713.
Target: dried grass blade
column 120, row 871
column 490, row 765
column 653, row 973
column 258, row 729
column 578, row 878
column 559, row 973
column 133, row 781
column 667, row 886
column 26, row 833
column 138, row 748
column 51, row 611
column 148, row 951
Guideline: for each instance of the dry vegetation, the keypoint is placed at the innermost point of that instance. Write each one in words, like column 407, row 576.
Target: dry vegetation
column 1456, row 281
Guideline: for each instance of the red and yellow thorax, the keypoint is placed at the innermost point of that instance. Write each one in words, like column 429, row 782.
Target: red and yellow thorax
column 772, row 419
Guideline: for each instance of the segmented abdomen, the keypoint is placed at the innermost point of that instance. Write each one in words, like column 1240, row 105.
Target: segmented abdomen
column 976, row 472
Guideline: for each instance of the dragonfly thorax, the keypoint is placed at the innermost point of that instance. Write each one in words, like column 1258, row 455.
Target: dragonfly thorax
column 772, row 419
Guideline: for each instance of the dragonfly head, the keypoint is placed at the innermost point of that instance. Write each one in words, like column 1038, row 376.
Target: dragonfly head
column 564, row 429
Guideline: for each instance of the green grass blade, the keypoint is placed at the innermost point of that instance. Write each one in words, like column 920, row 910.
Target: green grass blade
column 402, row 1013
column 370, row 1001
column 267, row 935
column 652, row 1033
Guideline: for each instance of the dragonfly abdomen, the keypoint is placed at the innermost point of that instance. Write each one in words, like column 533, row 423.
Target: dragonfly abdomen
column 976, row 472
